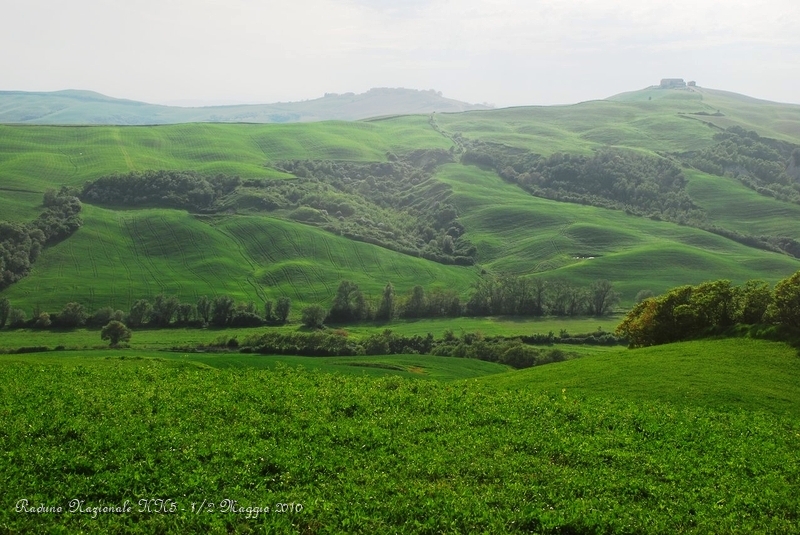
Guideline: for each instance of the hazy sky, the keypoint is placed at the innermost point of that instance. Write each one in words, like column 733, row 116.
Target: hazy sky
column 506, row 52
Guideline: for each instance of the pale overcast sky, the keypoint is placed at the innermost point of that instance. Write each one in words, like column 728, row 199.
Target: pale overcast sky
column 505, row 52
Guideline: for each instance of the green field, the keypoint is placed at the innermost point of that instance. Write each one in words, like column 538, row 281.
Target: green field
column 729, row 374
column 692, row 438
column 518, row 233
column 122, row 255
column 695, row 437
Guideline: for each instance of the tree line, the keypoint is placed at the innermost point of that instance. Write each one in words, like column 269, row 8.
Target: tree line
column 688, row 312
column 512, row 351
column 21, row 243
column 491, row 295
column 162, row 312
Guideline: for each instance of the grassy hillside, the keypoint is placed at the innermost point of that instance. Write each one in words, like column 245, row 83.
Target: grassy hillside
column 714, row 449
column 728, row 374
column 733, row 205
column 654, row 119
column 406, row 366
column 35, row 158
column 86, row 107
column 120, row 255
column 516, row 232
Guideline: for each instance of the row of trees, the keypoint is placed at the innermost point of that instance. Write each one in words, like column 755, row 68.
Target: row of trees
column 163, row 311
column 511, row 351
column 491, row 296
column 690, row 312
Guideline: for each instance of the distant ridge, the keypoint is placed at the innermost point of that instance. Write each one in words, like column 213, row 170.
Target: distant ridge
column 76, row 107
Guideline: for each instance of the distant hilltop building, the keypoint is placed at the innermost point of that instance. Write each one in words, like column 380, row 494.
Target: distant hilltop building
column 673, row 83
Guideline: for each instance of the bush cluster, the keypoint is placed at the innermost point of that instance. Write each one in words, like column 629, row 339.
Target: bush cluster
column 690, row 312
column 514, row 351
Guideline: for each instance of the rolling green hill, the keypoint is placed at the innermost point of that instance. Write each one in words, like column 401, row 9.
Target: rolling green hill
column 86, row 107
column 518, row 233
column 124, row 253
column 730, row 374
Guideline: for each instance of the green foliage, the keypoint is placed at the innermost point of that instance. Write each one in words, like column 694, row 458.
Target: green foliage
column 692, row 311
column 611, row 178
column 760, row 163
column 72, row 315
column 392, row 204
column 602, row 298
column 17, row 318
column 752, row 301
column 115, row 332
column 163, row 310
column 644, row 294
column 21, row 244
column 5, row 308
column 508, row 295
column 222, row 309
column 313, row 316
column 186, row 313
column 386, row 309
column 416, row 305
column 348, row 305
column 101, row 316
column 42, row 321
column 170, row 189
column 282, row 308
column 638, row 465
column 204, row 309
column 787, row 301
column 139, row 313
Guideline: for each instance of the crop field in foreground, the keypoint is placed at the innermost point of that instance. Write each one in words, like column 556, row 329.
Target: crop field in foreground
column 508, row 453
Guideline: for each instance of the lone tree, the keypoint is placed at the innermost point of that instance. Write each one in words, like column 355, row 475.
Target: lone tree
column 115, row 332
